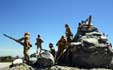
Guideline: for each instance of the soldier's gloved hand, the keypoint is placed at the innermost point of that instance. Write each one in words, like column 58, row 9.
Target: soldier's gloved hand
column 30, row 45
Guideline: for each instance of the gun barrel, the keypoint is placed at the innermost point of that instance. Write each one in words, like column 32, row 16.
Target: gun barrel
column 10, row 37
column 89, row 21
column 13, row 39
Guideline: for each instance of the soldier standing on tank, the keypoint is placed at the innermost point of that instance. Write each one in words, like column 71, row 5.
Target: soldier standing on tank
column 52, row 50
column 68, row 33
column 26, row 45
column 62, row 43
column 24, row 41
column 39, row 42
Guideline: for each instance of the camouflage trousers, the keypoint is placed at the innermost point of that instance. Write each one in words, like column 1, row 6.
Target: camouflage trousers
column 69, row 37
column 26, row 56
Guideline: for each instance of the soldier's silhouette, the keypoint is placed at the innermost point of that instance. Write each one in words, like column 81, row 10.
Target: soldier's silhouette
column 52, row 50
column 62, row 43
column 26, row 45
column 39, row 42
column 68, row 33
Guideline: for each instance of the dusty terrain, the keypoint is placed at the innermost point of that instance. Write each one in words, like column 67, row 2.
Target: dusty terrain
column 5, row 66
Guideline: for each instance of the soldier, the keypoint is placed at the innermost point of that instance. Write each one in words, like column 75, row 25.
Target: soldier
column 62, row 43
column 27, row 45
column 52, row 50
column 68, row 33
column 39, row 42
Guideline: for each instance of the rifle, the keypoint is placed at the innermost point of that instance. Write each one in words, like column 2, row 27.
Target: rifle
column 14, row 39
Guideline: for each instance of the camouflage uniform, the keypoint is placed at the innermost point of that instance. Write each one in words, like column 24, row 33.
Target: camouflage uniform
column 68, row 33
column 52, row 50
column 62, row 43
column 26, row 45
column 24, row 41
column 39, row 42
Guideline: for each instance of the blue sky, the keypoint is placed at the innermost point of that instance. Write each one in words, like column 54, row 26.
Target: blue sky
column 47, row 18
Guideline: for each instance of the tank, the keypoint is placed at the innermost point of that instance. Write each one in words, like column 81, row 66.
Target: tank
column 89, row 49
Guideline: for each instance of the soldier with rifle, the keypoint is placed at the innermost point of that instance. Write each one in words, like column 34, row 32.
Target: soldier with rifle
column 25, row 42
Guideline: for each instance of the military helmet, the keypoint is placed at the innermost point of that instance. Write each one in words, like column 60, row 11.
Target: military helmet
column 50, row 45
column 27, row 34
column 66, row 25
column 38, row 35
column 62, row 36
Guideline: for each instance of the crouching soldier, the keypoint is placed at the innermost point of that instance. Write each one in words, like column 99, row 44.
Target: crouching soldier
column 52, row 50
column 62, row 43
